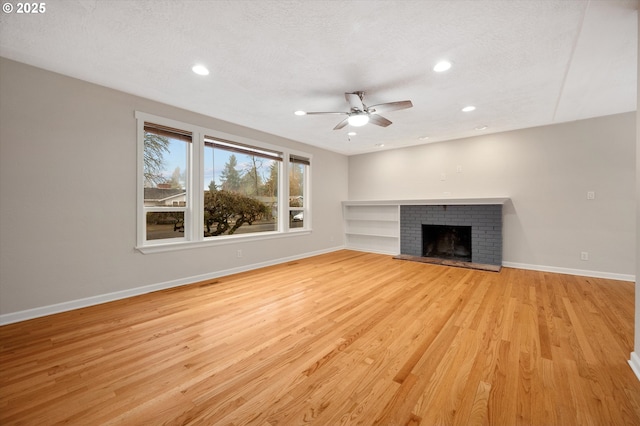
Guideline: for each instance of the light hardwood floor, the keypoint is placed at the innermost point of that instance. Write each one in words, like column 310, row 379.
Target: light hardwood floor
column 342, row 338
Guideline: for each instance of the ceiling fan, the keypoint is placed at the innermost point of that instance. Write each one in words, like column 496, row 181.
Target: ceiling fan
column 361, row 114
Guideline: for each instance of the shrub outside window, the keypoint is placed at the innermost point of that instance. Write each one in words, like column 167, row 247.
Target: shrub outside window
column 242, row 188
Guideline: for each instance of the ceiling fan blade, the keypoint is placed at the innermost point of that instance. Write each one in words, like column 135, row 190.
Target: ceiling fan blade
column 354, row 101
column 342, row 124
column 378, row 120
column 316, row 113
column 390, row 106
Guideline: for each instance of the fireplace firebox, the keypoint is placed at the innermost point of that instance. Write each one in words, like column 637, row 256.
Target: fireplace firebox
column 447, row 242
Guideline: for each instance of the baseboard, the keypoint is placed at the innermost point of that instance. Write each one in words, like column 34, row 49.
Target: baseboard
column 634, row 362
column 569, row 271
column 118, row 295
column 385, row 252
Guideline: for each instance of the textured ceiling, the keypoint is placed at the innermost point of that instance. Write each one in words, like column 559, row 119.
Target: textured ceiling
column 521, row 63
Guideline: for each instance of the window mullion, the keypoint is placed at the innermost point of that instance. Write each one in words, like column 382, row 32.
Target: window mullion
column 141, row 214
column 196, row 215
column 161, row 209
column 284, row 190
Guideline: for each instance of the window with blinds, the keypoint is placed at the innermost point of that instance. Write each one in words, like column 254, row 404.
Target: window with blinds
column 166, row 154
column 297, row 189
column 247, row 177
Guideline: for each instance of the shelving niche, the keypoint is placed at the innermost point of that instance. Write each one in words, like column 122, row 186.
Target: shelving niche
column 372, row 227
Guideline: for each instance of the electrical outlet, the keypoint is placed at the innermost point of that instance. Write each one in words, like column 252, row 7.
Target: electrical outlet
column 591, row 195
column 239, row 253
column 443, row 176
column 584, row 255
column 459, row 168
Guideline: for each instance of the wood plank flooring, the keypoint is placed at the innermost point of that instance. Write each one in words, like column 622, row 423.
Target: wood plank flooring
column 341, row 338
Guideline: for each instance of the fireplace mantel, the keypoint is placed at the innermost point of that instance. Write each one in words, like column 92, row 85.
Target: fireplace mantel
column 430, row 202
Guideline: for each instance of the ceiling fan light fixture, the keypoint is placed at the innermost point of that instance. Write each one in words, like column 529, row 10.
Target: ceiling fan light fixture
column 358, row 120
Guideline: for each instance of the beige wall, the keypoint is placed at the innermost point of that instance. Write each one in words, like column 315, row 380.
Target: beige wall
column 68, row 195
column 547, row 172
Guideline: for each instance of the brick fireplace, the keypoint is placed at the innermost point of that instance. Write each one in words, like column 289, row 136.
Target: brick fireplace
column 484, row 220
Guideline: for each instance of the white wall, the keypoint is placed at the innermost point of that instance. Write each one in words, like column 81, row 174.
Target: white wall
column 546, row 171
column 68, row 197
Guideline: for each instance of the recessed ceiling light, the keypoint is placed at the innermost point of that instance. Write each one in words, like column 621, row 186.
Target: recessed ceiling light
column 200, row 70
column 300, row 113
column 423, row 138
column 468, row 108
column 352, row 133
column 483, row 127
column 442, row 66
column 379, row 145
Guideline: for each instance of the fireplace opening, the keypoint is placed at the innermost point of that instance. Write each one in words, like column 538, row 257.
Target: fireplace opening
column 447, row 242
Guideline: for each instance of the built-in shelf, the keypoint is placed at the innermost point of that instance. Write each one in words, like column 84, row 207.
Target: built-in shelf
column 371, row 227
column 382, row 228
column 373, row 244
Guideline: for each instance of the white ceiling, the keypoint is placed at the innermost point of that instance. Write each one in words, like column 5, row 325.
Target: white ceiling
column 521, row 63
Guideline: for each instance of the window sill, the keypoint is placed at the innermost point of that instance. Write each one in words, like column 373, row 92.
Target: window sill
column 217, row 241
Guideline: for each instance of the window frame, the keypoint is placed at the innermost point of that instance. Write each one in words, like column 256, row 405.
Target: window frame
column 194, row 209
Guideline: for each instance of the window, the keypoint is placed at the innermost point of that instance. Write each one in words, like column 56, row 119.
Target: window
column 242, row 188
column 297, row 182
column 166, row 151
column 198, row 186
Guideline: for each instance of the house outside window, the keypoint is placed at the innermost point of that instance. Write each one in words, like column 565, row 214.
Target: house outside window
column 198, row 186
